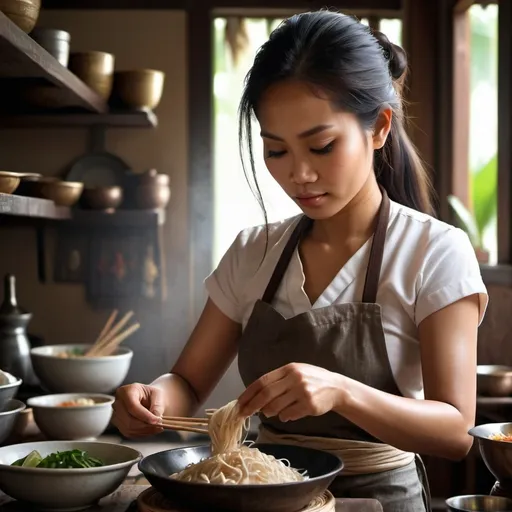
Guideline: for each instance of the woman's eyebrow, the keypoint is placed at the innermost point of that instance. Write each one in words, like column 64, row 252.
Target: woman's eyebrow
column 302, row 135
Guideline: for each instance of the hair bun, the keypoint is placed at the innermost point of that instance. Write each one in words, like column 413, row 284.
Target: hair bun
column 394, row 54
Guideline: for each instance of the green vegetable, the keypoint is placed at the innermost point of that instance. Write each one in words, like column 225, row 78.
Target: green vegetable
column 72, row 459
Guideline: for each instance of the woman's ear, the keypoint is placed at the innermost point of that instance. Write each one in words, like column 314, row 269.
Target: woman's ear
column 382, row 128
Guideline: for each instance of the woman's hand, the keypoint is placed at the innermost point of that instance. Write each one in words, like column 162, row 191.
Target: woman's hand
column 138, row 409
column 293, row 392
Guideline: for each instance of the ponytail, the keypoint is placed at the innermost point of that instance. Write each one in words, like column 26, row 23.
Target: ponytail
column 401, row 172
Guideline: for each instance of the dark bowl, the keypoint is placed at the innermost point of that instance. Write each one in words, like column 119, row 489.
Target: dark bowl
column 101, row 198
column 322, row 468
column 479, row 502
column 494, row 380
column 497, row 455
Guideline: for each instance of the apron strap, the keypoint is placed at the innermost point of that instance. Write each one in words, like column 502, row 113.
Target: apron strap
column 371, row 284
column 302, row 227
column 374, row 265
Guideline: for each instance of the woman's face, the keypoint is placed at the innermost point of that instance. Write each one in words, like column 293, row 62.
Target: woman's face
column 321, row 157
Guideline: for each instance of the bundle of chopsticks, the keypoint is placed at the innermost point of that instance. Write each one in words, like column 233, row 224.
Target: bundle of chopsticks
column 112, row 335
column 180, row 424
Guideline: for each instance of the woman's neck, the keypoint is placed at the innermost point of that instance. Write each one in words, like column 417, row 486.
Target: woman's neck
column 356, row 220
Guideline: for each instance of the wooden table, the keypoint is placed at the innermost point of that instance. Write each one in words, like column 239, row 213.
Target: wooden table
column 123, row 500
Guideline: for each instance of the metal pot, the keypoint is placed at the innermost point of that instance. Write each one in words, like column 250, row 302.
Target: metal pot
column 14, row 342
column 55, row 42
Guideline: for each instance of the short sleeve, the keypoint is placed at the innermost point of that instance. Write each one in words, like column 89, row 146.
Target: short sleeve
column 224, row 284
column 450, row 273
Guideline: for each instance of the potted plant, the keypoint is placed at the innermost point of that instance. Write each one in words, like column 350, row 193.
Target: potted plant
column 484, row 199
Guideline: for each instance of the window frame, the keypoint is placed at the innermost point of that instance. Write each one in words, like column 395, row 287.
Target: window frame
column 452, row 168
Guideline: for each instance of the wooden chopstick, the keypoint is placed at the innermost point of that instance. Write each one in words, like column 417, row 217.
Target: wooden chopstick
column 107, row 326
column 108, row 337
column 182, row 427
column 192, row 421
column 111, row 345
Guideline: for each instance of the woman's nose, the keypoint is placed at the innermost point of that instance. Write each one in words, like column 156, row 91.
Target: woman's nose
column 302, row 172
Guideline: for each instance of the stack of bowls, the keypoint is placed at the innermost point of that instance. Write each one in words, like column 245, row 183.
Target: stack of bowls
column 79, row 405
column 10, row 408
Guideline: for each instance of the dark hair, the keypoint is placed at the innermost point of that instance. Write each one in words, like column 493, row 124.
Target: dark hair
column 361, row 71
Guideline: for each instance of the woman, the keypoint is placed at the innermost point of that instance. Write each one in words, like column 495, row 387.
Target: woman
column 355, row 324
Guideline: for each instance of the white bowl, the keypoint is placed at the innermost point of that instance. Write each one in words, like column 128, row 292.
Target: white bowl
column 65, row 489
column 80, row 374
column 9, row 412
column 76, row 422
column 9, row 385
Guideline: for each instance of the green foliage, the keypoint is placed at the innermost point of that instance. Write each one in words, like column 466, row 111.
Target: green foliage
column 484, row 189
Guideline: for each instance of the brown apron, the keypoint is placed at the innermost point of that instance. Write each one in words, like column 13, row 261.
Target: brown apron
column 344, row 338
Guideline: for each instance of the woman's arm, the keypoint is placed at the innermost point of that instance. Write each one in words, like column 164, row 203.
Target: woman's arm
column 439, row 424
column 207, row 355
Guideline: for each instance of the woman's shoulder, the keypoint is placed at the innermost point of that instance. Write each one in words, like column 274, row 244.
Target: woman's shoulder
column 254, row 241
column 424, row 231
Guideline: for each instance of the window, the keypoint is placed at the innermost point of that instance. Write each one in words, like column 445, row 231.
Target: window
column 475, row 171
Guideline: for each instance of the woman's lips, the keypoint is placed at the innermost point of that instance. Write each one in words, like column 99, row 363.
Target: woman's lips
column 311, row 200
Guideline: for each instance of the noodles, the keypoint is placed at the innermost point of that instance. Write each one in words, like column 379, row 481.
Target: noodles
column 232, row 462
column 507, row 438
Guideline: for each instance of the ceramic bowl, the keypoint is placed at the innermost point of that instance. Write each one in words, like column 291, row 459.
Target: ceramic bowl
column 23, row 13
column 95, row 69
column 139, row 88
column 81, row 374
column 9, row 412
column 9, row 182
column 65, row 489
column 102, row 198
column 62, row 193
column 9, row 385
column 71, row 422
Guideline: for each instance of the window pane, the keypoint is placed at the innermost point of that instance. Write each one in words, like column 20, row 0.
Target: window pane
column 392, row 28
column 235, row 206
column 483, row 129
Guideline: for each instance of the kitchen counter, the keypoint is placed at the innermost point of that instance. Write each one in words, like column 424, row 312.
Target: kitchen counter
column 123, row 500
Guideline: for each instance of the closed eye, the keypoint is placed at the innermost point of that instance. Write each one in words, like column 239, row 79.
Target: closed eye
column 325, row 150
column 275, row 154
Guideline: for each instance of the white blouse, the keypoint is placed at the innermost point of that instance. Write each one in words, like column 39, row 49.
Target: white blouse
column 427, row 265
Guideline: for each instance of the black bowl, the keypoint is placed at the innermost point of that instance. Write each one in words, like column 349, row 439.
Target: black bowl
column 322, row 468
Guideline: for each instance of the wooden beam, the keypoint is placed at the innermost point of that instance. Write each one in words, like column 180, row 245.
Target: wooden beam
column 462, row 6
column 420, row 41
column 444, row 115
column 200, row 156
column 461, row 105
column 504, row 132
column 198, row 5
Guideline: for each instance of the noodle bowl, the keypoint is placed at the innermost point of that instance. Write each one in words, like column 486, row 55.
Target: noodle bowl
column 232, row 462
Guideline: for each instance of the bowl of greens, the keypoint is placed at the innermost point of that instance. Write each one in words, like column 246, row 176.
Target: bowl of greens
column 64, row 475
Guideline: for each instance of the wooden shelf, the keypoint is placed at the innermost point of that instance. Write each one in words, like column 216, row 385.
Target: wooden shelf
column 500, row 275
column 117, row 119
column 24, row 59
column 33, row 207
column 118, row 219
column 493, row 400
